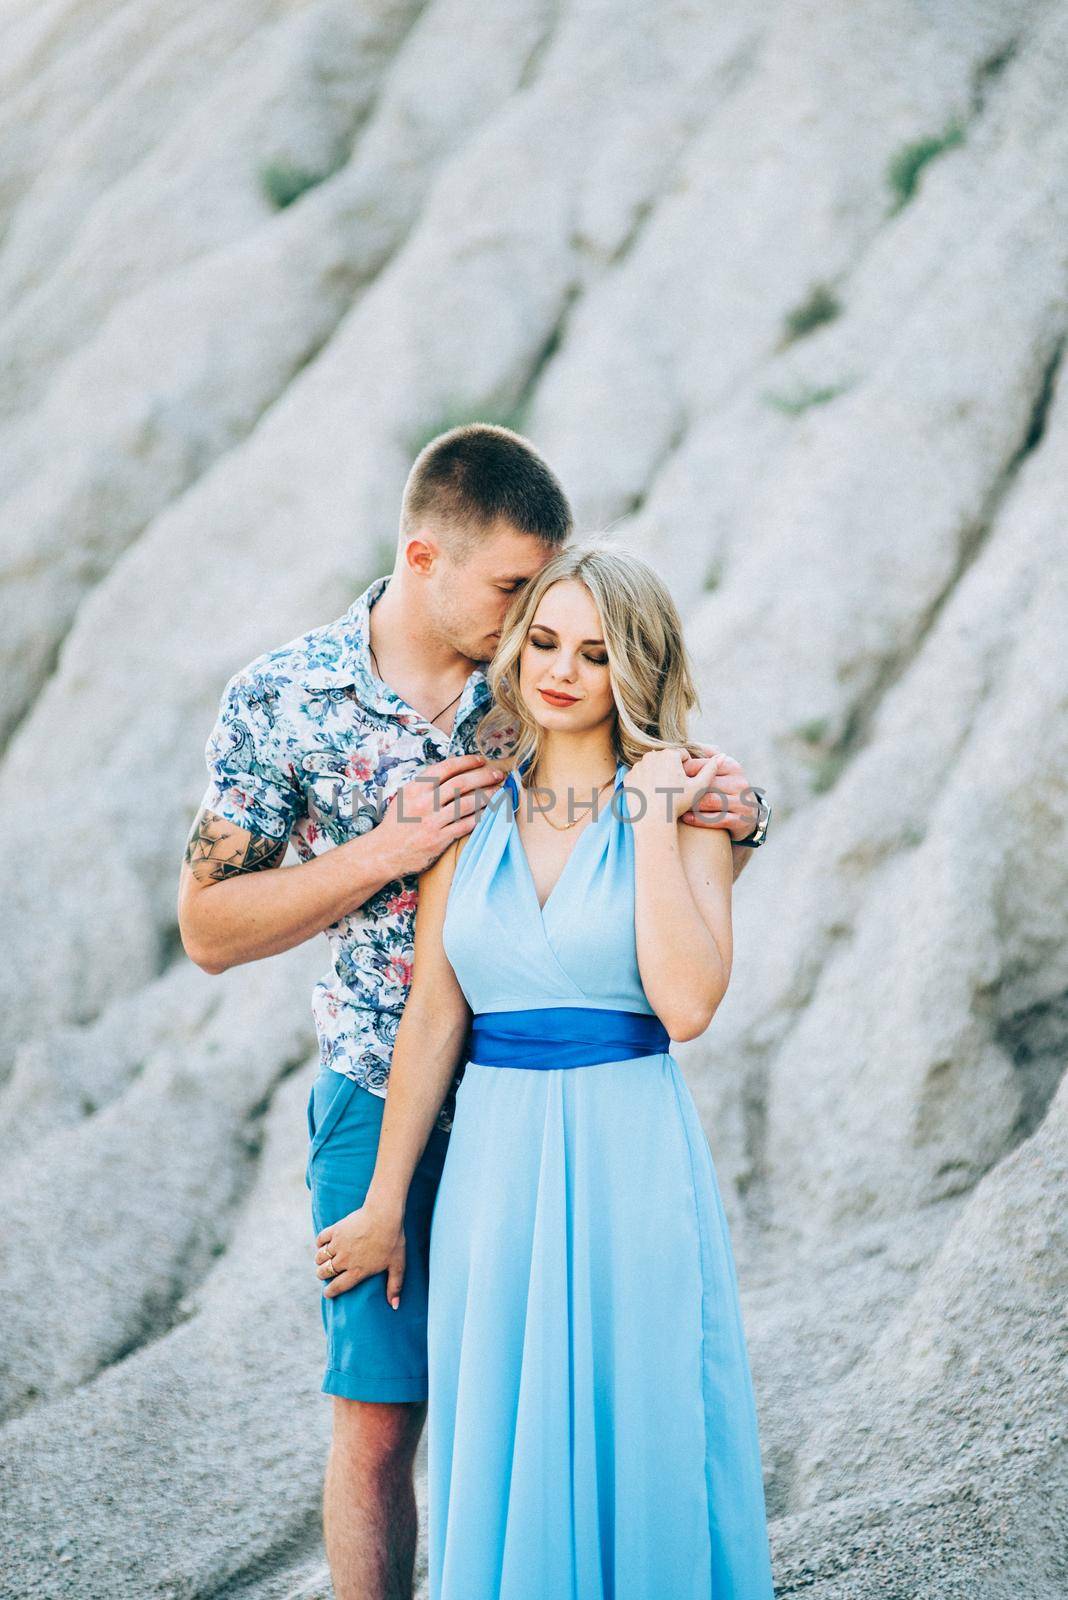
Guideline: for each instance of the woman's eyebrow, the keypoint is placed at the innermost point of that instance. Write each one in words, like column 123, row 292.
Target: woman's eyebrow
column 546, row 629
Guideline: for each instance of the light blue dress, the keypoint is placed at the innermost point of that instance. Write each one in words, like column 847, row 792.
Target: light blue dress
column 592, row 1431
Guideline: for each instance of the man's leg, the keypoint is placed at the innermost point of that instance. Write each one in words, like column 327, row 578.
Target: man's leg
column 376, row 1363
column 369, row 1516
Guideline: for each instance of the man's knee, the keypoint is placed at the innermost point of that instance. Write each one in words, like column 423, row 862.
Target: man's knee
column 377, row 1438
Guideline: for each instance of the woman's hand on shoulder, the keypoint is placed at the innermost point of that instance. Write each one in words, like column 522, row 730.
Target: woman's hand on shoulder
column 728, row 806
column 667, row 788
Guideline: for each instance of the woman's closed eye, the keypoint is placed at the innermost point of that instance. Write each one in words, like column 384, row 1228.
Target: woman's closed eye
column 544, row 644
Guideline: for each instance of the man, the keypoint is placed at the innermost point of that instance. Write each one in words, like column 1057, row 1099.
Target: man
column 329, row 743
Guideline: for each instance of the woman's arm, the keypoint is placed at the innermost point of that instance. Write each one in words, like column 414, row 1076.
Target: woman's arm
column 430, row 1038
column 429, row 1041
column 683, row 878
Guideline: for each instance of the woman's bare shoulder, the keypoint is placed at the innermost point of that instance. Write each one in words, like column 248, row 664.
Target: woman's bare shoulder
column 457, row 845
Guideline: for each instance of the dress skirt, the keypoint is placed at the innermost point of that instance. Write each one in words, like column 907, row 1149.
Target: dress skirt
column 592, row 1430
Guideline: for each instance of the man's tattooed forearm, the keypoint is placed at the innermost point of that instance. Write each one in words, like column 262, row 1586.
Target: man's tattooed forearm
column 215, row 851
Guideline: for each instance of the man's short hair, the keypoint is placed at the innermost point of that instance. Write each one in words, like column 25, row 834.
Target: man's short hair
column 479, row 474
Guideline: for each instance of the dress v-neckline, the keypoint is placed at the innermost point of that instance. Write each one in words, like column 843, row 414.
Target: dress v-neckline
column 521, row 848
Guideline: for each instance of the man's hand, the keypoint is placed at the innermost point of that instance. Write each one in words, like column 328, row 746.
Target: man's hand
column 367, row 1241
column 730, row 804
column 440, row 804
column 666, row 788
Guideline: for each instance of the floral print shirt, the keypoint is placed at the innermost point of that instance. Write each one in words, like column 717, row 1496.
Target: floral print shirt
column 310, row 746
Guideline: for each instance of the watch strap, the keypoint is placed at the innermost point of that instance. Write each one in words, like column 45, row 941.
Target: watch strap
column 754, row 840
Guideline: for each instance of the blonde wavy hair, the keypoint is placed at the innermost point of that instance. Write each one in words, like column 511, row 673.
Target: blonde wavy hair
column 648, row 664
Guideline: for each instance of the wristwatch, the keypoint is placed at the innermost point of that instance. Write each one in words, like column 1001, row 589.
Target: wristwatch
column 755, row 839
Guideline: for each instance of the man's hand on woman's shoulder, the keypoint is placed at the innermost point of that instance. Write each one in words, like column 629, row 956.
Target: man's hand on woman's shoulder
column 441, row 803
column 730, row 803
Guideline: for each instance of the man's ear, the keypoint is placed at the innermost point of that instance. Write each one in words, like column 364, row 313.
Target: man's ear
column 421, row 551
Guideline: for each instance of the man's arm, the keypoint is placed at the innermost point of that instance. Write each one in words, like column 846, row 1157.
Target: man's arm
column 728, row 806
column 237, row 903
column 739, row 856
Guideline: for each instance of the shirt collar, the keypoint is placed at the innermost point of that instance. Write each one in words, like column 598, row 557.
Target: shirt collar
column 342, row 655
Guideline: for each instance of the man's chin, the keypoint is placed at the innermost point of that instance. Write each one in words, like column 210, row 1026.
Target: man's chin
column 483, row 652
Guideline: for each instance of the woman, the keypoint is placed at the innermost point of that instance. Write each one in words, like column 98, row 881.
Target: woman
column 592, row 1430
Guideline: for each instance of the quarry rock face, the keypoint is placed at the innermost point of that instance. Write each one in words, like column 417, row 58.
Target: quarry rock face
column 781, row 292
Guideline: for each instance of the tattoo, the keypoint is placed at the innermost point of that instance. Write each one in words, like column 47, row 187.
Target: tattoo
column 217, row 850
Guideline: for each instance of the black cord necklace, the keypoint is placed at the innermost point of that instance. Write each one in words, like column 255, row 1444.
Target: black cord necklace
column 437, row 714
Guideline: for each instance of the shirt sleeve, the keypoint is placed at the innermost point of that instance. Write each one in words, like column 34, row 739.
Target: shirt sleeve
column 251, row 775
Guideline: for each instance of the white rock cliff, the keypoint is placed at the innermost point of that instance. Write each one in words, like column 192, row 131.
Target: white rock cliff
column 781, row 290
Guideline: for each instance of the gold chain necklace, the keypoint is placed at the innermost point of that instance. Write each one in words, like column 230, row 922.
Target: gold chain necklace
column 575, row 820
column 432, row 720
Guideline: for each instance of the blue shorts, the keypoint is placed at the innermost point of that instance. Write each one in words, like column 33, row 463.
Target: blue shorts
column 372, row 1351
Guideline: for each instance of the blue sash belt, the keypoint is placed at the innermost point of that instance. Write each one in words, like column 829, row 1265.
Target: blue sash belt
column 563, row 1036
